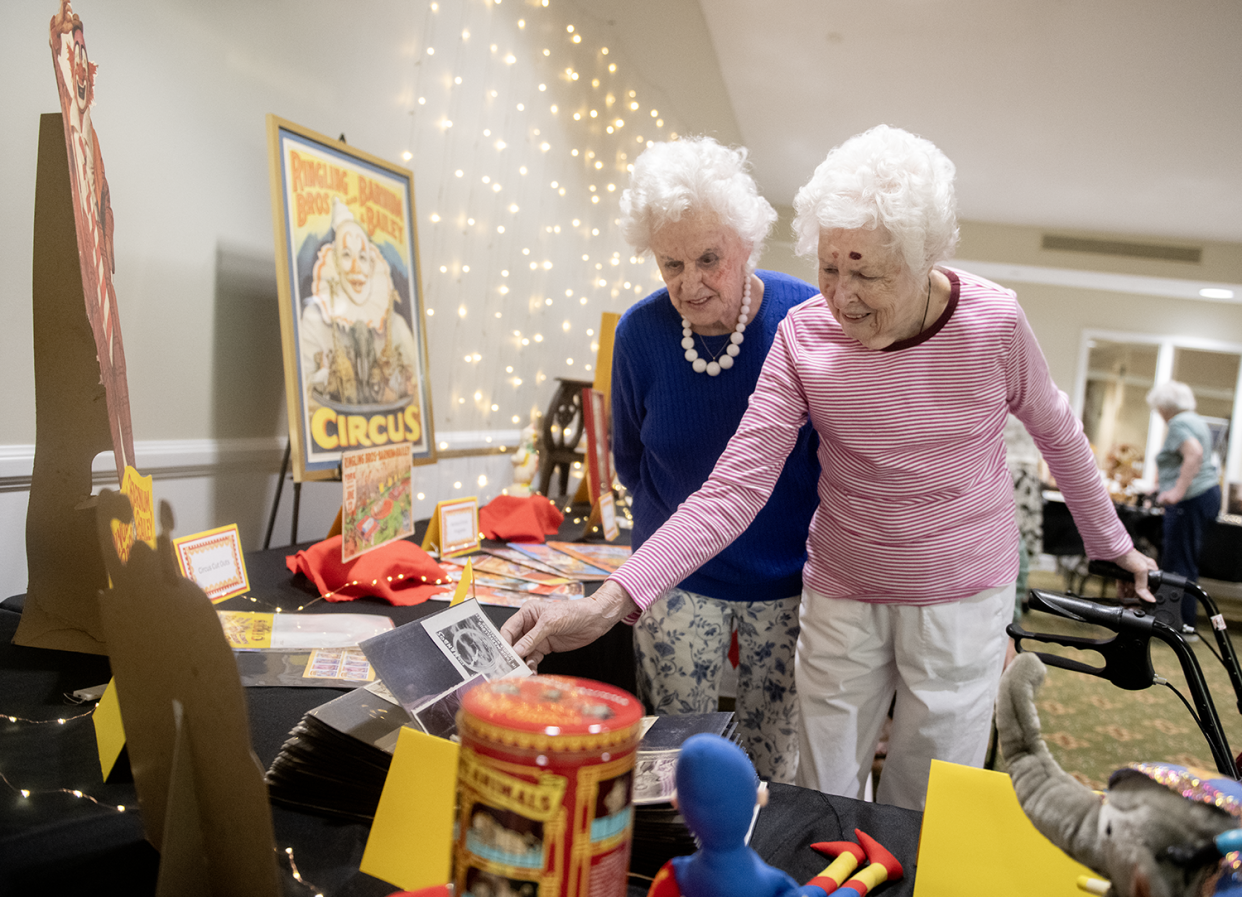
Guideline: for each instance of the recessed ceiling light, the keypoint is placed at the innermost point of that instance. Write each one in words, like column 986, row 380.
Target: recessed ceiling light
column 1215, row 293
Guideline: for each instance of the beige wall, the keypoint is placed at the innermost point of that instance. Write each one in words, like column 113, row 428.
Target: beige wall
column 1059, row 314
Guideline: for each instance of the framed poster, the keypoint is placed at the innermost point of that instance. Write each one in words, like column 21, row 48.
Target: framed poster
column 351, row 305
column 598, row 454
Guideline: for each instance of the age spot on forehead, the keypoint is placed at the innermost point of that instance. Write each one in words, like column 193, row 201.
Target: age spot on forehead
column 855, row 255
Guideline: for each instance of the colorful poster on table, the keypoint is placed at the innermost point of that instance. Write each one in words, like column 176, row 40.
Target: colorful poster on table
column 355, row 345
column 376, row 507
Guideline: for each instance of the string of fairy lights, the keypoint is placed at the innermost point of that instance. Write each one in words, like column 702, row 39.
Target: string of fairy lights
column 523, row 126
column 24, row 794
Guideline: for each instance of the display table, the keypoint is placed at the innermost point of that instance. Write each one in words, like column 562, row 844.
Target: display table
column 1220, row 559
column 55, row 843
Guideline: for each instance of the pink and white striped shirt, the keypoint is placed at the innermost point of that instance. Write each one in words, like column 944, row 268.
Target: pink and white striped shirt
column 916, row 503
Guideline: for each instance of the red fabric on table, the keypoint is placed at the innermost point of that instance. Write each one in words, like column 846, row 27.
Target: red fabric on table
column 508, row 518
column 400, row 572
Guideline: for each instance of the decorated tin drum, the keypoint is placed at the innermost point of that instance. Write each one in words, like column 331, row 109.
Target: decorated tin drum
column 544, row 786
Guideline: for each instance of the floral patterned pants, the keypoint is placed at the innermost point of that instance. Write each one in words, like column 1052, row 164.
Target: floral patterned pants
column 680, row 647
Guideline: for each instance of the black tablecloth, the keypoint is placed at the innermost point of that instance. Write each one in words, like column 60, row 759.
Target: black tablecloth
column 55, row 843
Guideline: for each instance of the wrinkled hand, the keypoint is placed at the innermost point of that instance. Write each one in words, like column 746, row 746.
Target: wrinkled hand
column 1170, row 497
column 1138, row 564
column 542, row 627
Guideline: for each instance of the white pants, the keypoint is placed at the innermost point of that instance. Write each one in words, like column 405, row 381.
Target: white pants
column 942, row 662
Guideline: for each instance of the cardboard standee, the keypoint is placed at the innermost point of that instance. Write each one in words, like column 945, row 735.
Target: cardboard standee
column 201, row 788
column 183, row 854
column 65, row 567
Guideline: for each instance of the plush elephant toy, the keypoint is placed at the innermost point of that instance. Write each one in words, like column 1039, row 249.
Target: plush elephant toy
column 1158, row 831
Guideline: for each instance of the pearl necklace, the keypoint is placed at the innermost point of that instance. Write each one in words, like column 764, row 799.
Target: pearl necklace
column 723, row 362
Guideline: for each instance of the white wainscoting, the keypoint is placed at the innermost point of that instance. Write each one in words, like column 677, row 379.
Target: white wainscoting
column 213, row 483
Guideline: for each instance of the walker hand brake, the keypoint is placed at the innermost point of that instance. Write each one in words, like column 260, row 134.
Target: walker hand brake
column 1127, row 658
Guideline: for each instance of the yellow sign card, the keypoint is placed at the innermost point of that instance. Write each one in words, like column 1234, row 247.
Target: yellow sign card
column 977, row 842
column 608, row 516
column 454, row 527
column 213, row 562
column 411, row 840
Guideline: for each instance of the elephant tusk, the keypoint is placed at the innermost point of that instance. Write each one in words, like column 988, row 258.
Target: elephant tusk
column 1093, row 885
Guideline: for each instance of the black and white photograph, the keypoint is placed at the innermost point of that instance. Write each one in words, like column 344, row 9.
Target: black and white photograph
column 417, row 674
column 472, row 644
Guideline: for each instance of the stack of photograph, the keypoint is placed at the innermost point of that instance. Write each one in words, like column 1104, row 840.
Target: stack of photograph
column 659, row 831
column 337, row 757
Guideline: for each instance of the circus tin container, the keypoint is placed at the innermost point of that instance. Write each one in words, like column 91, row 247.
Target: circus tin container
column 544, row 786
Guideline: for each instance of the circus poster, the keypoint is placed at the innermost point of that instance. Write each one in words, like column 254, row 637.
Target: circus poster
column 352, row 325
column 376, row 507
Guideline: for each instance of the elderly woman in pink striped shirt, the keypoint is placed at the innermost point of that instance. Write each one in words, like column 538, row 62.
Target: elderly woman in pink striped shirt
column 907, row 368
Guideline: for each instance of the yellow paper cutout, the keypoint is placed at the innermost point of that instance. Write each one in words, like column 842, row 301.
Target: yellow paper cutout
column 109, row 733
column 138, row 490
column 411, row 840
column 465, row 588
column 977, row 842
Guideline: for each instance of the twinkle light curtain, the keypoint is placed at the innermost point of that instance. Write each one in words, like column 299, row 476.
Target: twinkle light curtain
column 524, row 121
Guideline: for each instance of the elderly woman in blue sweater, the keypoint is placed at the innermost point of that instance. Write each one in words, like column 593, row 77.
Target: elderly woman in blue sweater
column 686, row 359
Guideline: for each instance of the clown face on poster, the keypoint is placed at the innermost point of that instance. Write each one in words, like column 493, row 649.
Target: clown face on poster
column 351, row 310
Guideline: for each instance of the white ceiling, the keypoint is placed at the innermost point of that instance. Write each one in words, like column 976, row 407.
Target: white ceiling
column 1122, row 116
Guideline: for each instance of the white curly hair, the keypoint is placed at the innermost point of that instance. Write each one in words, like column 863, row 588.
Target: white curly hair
column 694, row 175
column 883, row 178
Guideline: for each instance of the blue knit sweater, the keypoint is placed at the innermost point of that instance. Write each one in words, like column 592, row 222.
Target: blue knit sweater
column 670, row 424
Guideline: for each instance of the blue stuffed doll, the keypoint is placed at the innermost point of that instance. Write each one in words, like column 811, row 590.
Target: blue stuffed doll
column 717, row 790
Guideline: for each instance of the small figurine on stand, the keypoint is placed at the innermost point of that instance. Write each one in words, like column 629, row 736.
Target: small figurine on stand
column 526, row 459
column 717, row 790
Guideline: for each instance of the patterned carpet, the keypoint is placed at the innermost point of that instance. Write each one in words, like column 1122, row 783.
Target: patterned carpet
column 1093, row 727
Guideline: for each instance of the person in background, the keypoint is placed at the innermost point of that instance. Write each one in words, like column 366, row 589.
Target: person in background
column 1189, row 484
column 907, row 369
column 1022, row 459
column 685, row 361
